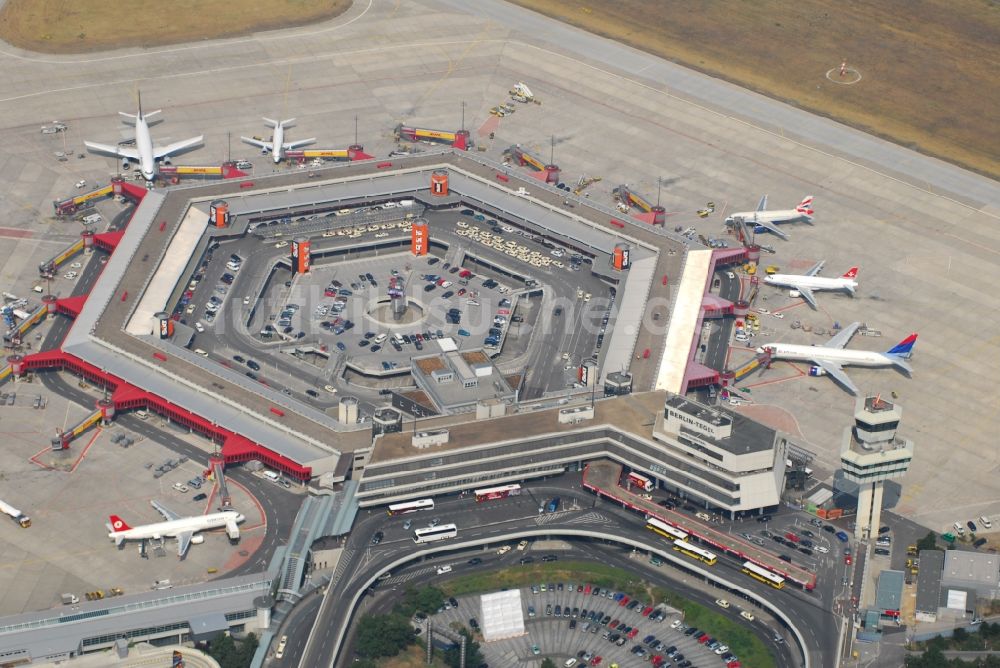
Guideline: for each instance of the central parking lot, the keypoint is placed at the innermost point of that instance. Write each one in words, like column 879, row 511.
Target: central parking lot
column 578, row 624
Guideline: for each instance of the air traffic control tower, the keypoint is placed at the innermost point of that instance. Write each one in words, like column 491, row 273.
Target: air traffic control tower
column 870, row 455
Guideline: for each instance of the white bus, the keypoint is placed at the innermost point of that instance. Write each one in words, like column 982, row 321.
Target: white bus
column 664, row 529
column 431, row 534
column 695, row 552
column 411, row 506
column 763, row 575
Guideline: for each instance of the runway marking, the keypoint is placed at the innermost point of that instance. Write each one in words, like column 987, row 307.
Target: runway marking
column 222, row 42
column 15, row 233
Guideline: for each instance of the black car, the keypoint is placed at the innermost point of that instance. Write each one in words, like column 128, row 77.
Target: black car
column 364, row 343
column 453, row 270
column 473, row 624
column 883, row 530
column 527, row 560
column 447, row 294
column 806, row 551
column 375, row 348
column 572, row 624
column 881, row 551
column 453, row 601
column 979, row 543
column 829, row 528
column 203, row 496
column 971, row 525
column 239, row 358
column 227, row 279
column 558, row 312
column 785, row 557
column 253, row 365
column 475, row 561
column 377, row 538
column 691, row 631
column 550, row 557
column 312, row 393
column 251, row 375
column 429, row 287
column 433, row 261
column 764, row 518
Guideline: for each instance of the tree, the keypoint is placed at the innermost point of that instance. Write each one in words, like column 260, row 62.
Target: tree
column 383, row 635
column 928, row 542
column 473, row 657
column 548, row 663
column 425, row 599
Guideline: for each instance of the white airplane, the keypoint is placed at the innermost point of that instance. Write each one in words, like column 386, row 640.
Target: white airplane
column 831, row 358
column 803, row 285
column 277, row 146
column 767, row 221
column 144, row 152
column 175, row 526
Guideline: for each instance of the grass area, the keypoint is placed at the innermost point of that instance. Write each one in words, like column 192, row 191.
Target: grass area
column 79, row 26
column 928, row 68
column 412, row 657
column 737, row 635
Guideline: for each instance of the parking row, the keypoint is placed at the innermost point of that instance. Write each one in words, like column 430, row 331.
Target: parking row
column 583, row 624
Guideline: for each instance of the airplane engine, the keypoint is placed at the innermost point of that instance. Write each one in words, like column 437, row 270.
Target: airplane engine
column 126, row 165
column 264, row 150
column 794, row 293
column 165, row 160
column 197, row 540
column 816, row 371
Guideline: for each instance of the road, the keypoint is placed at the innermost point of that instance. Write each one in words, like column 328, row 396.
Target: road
column 500, row 522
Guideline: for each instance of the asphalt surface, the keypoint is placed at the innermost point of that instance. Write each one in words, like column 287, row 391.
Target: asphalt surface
column 502, row 521
column 539, row 344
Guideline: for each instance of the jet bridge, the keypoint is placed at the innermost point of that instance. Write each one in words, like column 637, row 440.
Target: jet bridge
column 459, row 139
column 542, row 171
column 349, row 154
column 227, row 170
column 648, row 212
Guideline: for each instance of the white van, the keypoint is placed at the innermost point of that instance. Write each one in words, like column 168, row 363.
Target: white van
column 381, row 338
column 199, row 351
column 272, row 476
column 398, row 338
column 443, row 569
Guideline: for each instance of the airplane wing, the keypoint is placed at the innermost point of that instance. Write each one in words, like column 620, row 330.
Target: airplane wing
column 762, row 205
column 120, row 151
column 257, row 142
column 168, row 514
column 835, row 371
column 816, row 269
column 177, row 146
column 842, row 337
column 183, row 542
column 289, row 145
column 771, row 227
column 808, row 295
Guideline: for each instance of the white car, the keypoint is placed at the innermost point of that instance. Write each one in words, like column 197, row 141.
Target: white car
column 330, row 388
column 200, row 327
column 779, row 316
column 70, row 275
column 675, row 624
column 180, row 488
column 985, row 522
column 821, row 549
column 522, row 545
column 76, row 265
column 81, row 184
column 747, row 616
column 722, row 603
column 504, row 549
column 246, row 300
column 281, row 244
column 280, row 652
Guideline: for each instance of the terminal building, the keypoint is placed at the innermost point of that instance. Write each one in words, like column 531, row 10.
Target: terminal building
column 714, row 457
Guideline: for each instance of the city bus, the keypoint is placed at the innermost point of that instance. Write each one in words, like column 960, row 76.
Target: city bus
column 763, row 575
column 695, row 552
column 501, row 492
column 431, row 534
column 664, row 529
column 640, row 481
column 411, row 506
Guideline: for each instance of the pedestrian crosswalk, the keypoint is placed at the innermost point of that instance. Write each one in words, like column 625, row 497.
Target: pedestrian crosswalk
column 345, row 559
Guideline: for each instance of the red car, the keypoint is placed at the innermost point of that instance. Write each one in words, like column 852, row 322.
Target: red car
column 645, row 611
column 792, row 537
column 461, row 292
column 614, row 624
column 733, row 664
column 624, row 601
column 657, row 660
column 595, row 661
column 586, row 590
column 704, row 639
column 847, row 559
column 465, row 273
column 633, row 633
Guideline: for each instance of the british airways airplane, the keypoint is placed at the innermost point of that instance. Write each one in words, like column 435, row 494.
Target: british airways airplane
column 767, row 221
column 145, row 153
column 829, row 360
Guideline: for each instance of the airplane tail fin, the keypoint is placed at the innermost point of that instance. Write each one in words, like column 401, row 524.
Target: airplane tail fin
column 270, row 122
column 904, row 348
column 805, row 206
column 118, row 524
column 851, row 273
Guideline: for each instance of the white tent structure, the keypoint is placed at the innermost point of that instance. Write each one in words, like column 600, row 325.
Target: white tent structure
column 502, row 615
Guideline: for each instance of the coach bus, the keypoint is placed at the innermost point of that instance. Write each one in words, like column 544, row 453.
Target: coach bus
column 664, row 529
column 763, row 575
column 501, row 492
column 640, row 481
column 411, row 506
column 695, row 552
column 431, row 534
